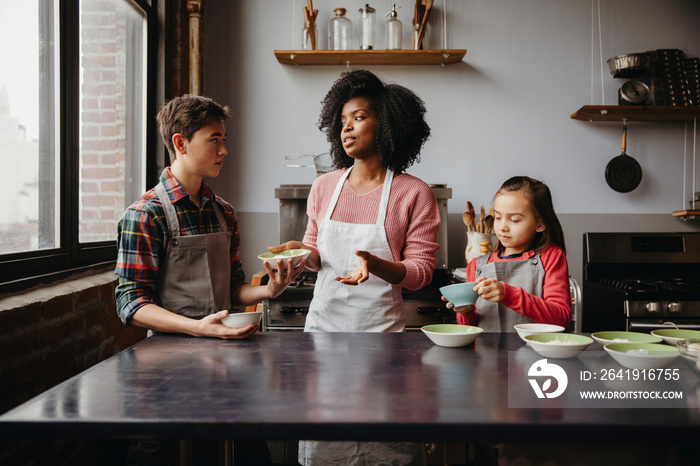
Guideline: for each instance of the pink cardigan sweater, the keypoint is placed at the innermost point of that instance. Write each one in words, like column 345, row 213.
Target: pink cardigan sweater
column 411, row 225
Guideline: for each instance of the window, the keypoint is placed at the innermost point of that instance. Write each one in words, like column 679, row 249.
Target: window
column 75, row 109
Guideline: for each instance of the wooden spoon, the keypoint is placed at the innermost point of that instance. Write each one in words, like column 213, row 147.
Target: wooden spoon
column 488, row 224
column 468, row 219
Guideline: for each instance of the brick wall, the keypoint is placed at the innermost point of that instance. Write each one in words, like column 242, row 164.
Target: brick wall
column 104, row 118
column 50, row 334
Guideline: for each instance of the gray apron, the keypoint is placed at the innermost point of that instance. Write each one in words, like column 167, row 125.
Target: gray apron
column 194, row 280
column 526, row 273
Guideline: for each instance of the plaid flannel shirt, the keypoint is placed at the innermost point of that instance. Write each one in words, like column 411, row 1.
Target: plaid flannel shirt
column 142, row 240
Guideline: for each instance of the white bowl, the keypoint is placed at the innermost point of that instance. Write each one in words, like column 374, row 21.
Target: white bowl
column 642, row 355
column 673, row 335
column 451, row 335
column 272, row 257
column 529, row 329
column 558, row 345
column 624, row 337
column 241, row 319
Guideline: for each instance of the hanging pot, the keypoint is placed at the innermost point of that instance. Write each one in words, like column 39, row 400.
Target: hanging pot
column 623, row 173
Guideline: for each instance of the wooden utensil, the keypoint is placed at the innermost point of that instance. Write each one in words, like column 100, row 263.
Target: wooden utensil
column 426, row 14
column 488, row 224
column 482, row 214
column 468, row 220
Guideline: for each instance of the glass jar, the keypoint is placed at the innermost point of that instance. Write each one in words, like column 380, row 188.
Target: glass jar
column 367, row 19
column 309, row 36
column 393, row 30
column 340, row 31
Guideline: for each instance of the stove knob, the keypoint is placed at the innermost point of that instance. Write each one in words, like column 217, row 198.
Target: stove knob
column 652, row 307
column 674, row 308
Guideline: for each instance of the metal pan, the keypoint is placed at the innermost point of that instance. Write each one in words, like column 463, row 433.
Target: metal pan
column 623, row 173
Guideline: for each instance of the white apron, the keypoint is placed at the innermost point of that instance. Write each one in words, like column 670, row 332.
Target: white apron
column 194, row 280
column 526, row 273
column 372, row 306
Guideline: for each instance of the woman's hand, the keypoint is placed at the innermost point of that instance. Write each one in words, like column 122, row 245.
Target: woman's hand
column 313, row 260
column 361, row 272
column 490, row 289
column 461, row 309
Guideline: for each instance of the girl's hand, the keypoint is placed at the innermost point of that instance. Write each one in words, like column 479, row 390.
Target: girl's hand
column 361, row 272
column 461, row 309
column 490, row 289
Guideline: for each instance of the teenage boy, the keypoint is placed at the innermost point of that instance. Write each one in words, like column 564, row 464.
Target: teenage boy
column 178, row 263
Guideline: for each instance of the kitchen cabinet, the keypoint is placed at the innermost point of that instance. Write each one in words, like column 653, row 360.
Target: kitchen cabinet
column 370, row 57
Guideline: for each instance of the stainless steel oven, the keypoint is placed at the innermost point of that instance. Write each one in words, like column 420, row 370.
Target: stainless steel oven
column 640, row 281
column 288, row 311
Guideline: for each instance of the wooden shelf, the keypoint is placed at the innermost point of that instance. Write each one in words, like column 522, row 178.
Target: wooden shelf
column 635, row 113
column 686, row 213
column 369, row 57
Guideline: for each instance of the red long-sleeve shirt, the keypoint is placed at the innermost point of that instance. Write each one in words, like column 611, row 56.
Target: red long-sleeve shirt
column 553, row 307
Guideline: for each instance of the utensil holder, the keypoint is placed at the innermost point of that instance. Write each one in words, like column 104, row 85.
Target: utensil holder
column 473, row 249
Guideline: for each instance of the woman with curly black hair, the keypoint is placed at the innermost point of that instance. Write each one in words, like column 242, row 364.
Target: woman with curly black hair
column 372, row 230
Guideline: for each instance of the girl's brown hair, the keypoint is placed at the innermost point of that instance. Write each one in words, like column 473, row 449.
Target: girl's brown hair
column 539, row 196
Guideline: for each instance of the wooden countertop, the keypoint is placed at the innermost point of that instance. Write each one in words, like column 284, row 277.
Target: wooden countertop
column 338, row 386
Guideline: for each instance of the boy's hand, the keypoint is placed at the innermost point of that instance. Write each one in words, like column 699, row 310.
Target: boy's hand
column 211, row 326
column 285, row 274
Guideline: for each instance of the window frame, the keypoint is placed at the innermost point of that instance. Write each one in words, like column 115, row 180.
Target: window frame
column 25, row 269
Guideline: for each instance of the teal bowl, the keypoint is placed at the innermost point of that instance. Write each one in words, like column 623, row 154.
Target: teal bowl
column 461, row 294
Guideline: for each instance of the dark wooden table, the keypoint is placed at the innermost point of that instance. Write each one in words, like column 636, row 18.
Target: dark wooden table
column 334, row 386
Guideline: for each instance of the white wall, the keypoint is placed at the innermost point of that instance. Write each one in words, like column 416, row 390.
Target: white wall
column 504, row 110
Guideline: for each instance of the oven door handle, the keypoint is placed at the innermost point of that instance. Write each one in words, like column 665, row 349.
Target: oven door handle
column 644, row 326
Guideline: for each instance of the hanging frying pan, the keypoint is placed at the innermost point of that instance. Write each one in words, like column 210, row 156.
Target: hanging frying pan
column 623, row 173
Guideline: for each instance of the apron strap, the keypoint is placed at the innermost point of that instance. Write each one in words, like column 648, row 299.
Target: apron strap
column 170, row 214
column 384, row 202
column 336, row 194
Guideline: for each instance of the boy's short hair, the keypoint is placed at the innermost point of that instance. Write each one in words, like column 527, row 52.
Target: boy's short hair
column 186, row 115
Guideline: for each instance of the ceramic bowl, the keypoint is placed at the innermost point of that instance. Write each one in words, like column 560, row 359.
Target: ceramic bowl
column 558, row 345
column 297, row 254
column 624, row 337
column 461, row 294
column 530, row 329
column 642, row 355
column 673, row 335
column 241, row 319
column 451, row 335
column 690, row 351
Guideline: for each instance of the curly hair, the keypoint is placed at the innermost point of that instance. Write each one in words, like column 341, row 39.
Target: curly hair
column 401, row 130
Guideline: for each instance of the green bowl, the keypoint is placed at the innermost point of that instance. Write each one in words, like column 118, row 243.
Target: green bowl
column 558, row 345
column 673, row 335
column 296, row 254
column 642, row 355
column 624, row 337
column 451, row 335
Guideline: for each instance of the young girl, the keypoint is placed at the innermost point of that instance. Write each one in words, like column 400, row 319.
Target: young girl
column 526, row 279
